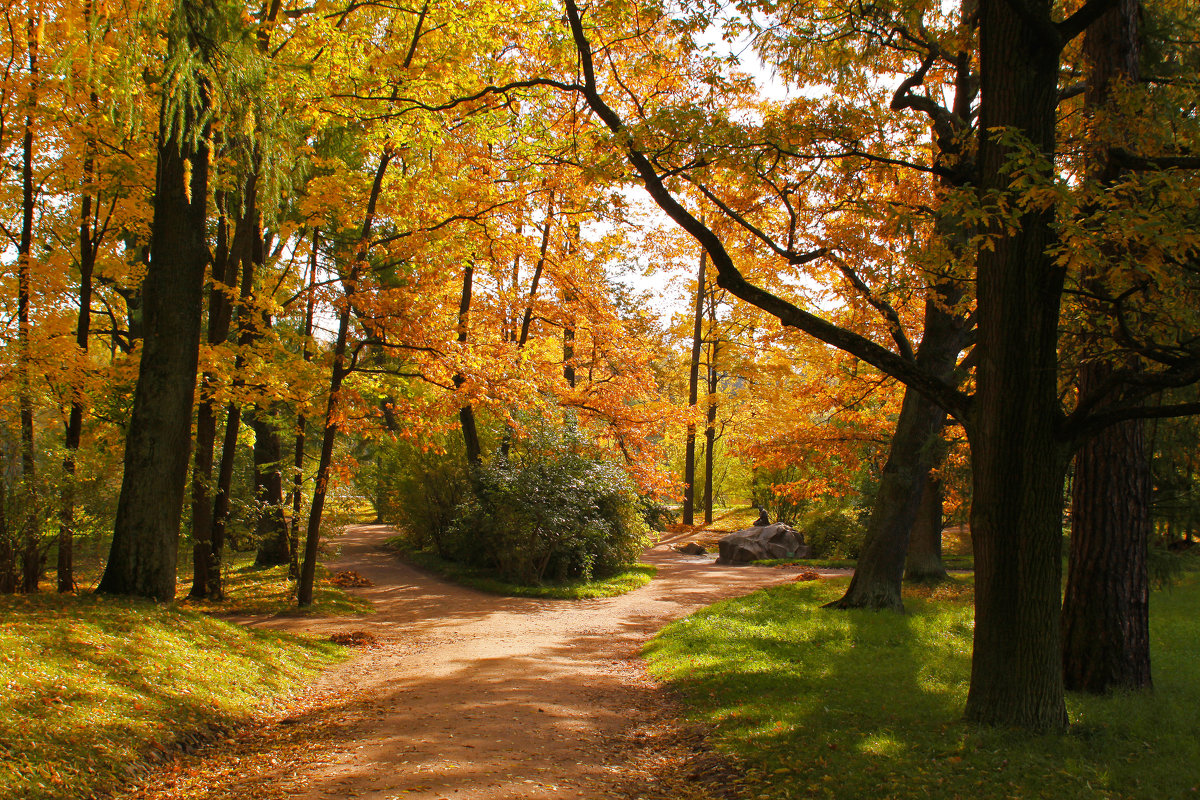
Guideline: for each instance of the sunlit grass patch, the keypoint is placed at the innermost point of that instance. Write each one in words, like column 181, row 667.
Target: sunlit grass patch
column 88, row 683
column 822, row 703
column 627, row 580
column 263, row 591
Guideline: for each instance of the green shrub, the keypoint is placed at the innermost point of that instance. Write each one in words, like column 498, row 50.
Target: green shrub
column 833, row 534
column 418, row 490
column 554, row 509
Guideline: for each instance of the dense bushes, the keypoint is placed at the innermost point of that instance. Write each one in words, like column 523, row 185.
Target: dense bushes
column 555, row 508
column 833, row 534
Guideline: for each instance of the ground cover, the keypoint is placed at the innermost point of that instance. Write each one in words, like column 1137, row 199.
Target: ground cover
column 853, row 704
column 264, row 591
column 90, row 685
column 624, row 581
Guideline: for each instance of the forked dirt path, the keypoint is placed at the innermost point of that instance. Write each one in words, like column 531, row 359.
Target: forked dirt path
column 471, row 695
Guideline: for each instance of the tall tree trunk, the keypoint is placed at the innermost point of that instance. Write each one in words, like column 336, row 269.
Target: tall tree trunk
column 879, row 573
column 338, row 372
column 1106, row 625
column 924, row 562
column 301, row 422
column 466, row 412
column 87, row 263
column 1019, row 460
column 689, row 454
column 1106, row 609
column 250, row 227
column 158, row 443
column 220, row 314
column 710, row 430
column 31, row 551
column 271, row 528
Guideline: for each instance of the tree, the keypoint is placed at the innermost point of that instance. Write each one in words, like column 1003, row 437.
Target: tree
column 157, row 448
column 1013, row 420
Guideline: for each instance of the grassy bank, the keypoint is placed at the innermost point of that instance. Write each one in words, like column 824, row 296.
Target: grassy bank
column 610, row 586
column 88, row 685
column 862, row 704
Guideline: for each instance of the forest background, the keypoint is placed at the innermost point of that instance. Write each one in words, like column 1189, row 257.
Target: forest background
column 256, row 254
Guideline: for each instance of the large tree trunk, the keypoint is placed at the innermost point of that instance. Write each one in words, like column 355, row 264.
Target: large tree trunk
column 31, row 561
column 1106, row 610
column 271, row 528
column 924, row 561
column 879, row 574
column 1019, row 461
column 158, row 443
column 1106, row 625
column 880, row 570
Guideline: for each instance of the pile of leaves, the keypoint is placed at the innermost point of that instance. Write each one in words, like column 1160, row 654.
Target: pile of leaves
column 350, row 580
column 354, row 639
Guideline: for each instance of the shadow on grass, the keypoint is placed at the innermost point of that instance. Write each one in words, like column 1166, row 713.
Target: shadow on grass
column 850, row 704
column 88, row 684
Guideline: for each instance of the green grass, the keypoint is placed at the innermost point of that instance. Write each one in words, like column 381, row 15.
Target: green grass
column 626, row 581
column 815, row 563
column 259, row 591
column 89, row 683
column 862, row 704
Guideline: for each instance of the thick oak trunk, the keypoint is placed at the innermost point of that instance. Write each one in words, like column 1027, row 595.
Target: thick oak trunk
column 924, row 561
column 879, row 573
column 1106, row 609
column 158, row 443
column 1017, row 457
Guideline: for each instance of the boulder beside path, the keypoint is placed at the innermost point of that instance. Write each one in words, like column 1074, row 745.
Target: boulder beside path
column 761, row 542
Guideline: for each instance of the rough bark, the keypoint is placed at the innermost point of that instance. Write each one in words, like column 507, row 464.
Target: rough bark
column 1019, row 461
column 1106, row 609
column 924, row 561
column 158, row 444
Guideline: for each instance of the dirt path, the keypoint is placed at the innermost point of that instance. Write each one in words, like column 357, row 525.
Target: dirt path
column 471, row 695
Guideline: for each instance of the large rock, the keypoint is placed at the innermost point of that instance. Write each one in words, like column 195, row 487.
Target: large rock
column 761, row 542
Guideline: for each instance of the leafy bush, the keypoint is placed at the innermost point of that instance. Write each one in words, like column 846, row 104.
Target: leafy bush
column 554, row 509
column 833, row 534
column 418, row 490
column 656, row 515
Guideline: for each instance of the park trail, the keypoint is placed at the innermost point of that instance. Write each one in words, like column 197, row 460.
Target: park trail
column 472, row 696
